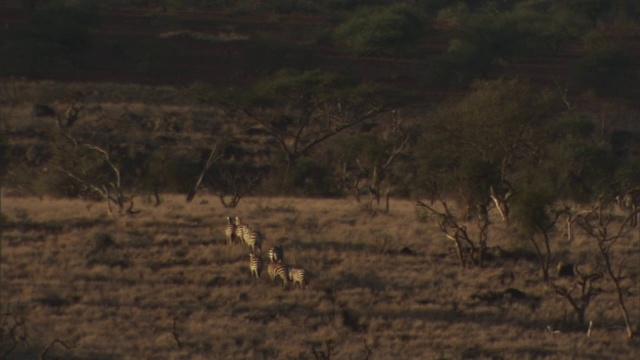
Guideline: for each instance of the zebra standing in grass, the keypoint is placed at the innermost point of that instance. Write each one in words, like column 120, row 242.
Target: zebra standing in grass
column 278, row 270
column 230, row 231
column 276, row 254
column 297, row 275
column 255, row 264
column 253, row 238
column 240, row 229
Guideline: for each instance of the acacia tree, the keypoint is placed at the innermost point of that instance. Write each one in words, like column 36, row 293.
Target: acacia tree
column 371, row 157
column 301, row 110
column 474, row 149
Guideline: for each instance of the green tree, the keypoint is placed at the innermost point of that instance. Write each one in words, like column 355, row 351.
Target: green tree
column 578, row 162
column 481, row 39
column 592, row 9
column 301, row 110
column 381, row 31
column 481, row 143
column 550, row 24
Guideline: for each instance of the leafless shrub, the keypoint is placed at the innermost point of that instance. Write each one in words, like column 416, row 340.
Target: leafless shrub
column 239, row 185
column 600, row 225
column 327, row 353
column 587, row 292
column 13, row 332
column 468, row 251
column 386, row 244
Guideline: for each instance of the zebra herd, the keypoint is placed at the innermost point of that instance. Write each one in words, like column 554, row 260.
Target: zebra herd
column 236, row 231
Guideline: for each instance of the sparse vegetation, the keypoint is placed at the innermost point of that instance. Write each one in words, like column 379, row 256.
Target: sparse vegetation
column 184, row 292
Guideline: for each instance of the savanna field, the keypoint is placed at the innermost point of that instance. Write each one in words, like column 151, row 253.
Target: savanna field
column 500, row 139
column 163, row 284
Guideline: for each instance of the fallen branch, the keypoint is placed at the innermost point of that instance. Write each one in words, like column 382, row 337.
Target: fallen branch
column 56, row 341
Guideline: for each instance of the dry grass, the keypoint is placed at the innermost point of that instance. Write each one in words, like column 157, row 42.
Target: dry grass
column 113, row 286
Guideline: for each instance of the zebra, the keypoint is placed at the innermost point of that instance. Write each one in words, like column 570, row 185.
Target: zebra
column 230, row 231
column 240, row 229
column 253, row 238
column 278, row 270
column 276, row 254
column 255, row 264
column 297, row 275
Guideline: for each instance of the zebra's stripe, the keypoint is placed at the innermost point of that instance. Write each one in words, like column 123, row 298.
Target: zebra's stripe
column 278, row 270
column 255, row 264
column 299, row 276
column 230, row 231
column 253, row 239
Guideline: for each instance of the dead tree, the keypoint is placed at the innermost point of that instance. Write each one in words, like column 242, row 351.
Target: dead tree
column 599, row 225
column 379, row 173
column 587, row 291
column 119, row 198
column 352, row 182
column 111, row 190
column 207, row 165
column 467, row 251
column 500, row 202
column 239, row 185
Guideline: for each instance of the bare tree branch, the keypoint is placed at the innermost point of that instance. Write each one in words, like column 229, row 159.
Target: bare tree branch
column 205, row 168
column 596, row 224
column 56, row 341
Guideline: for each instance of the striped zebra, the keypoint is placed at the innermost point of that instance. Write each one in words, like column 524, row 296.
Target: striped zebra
column 278, row 270
column 240, row 229
column 276, row 254
column 230, row 231
column 255, row 264
column 253, row 238
column 297, row 275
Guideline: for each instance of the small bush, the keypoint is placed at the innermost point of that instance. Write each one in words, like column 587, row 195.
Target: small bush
column 311, row 178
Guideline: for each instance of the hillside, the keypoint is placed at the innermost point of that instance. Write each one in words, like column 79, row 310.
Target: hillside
column 230, row 49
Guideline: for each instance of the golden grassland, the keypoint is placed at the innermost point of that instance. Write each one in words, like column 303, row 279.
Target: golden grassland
column 163, row 284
